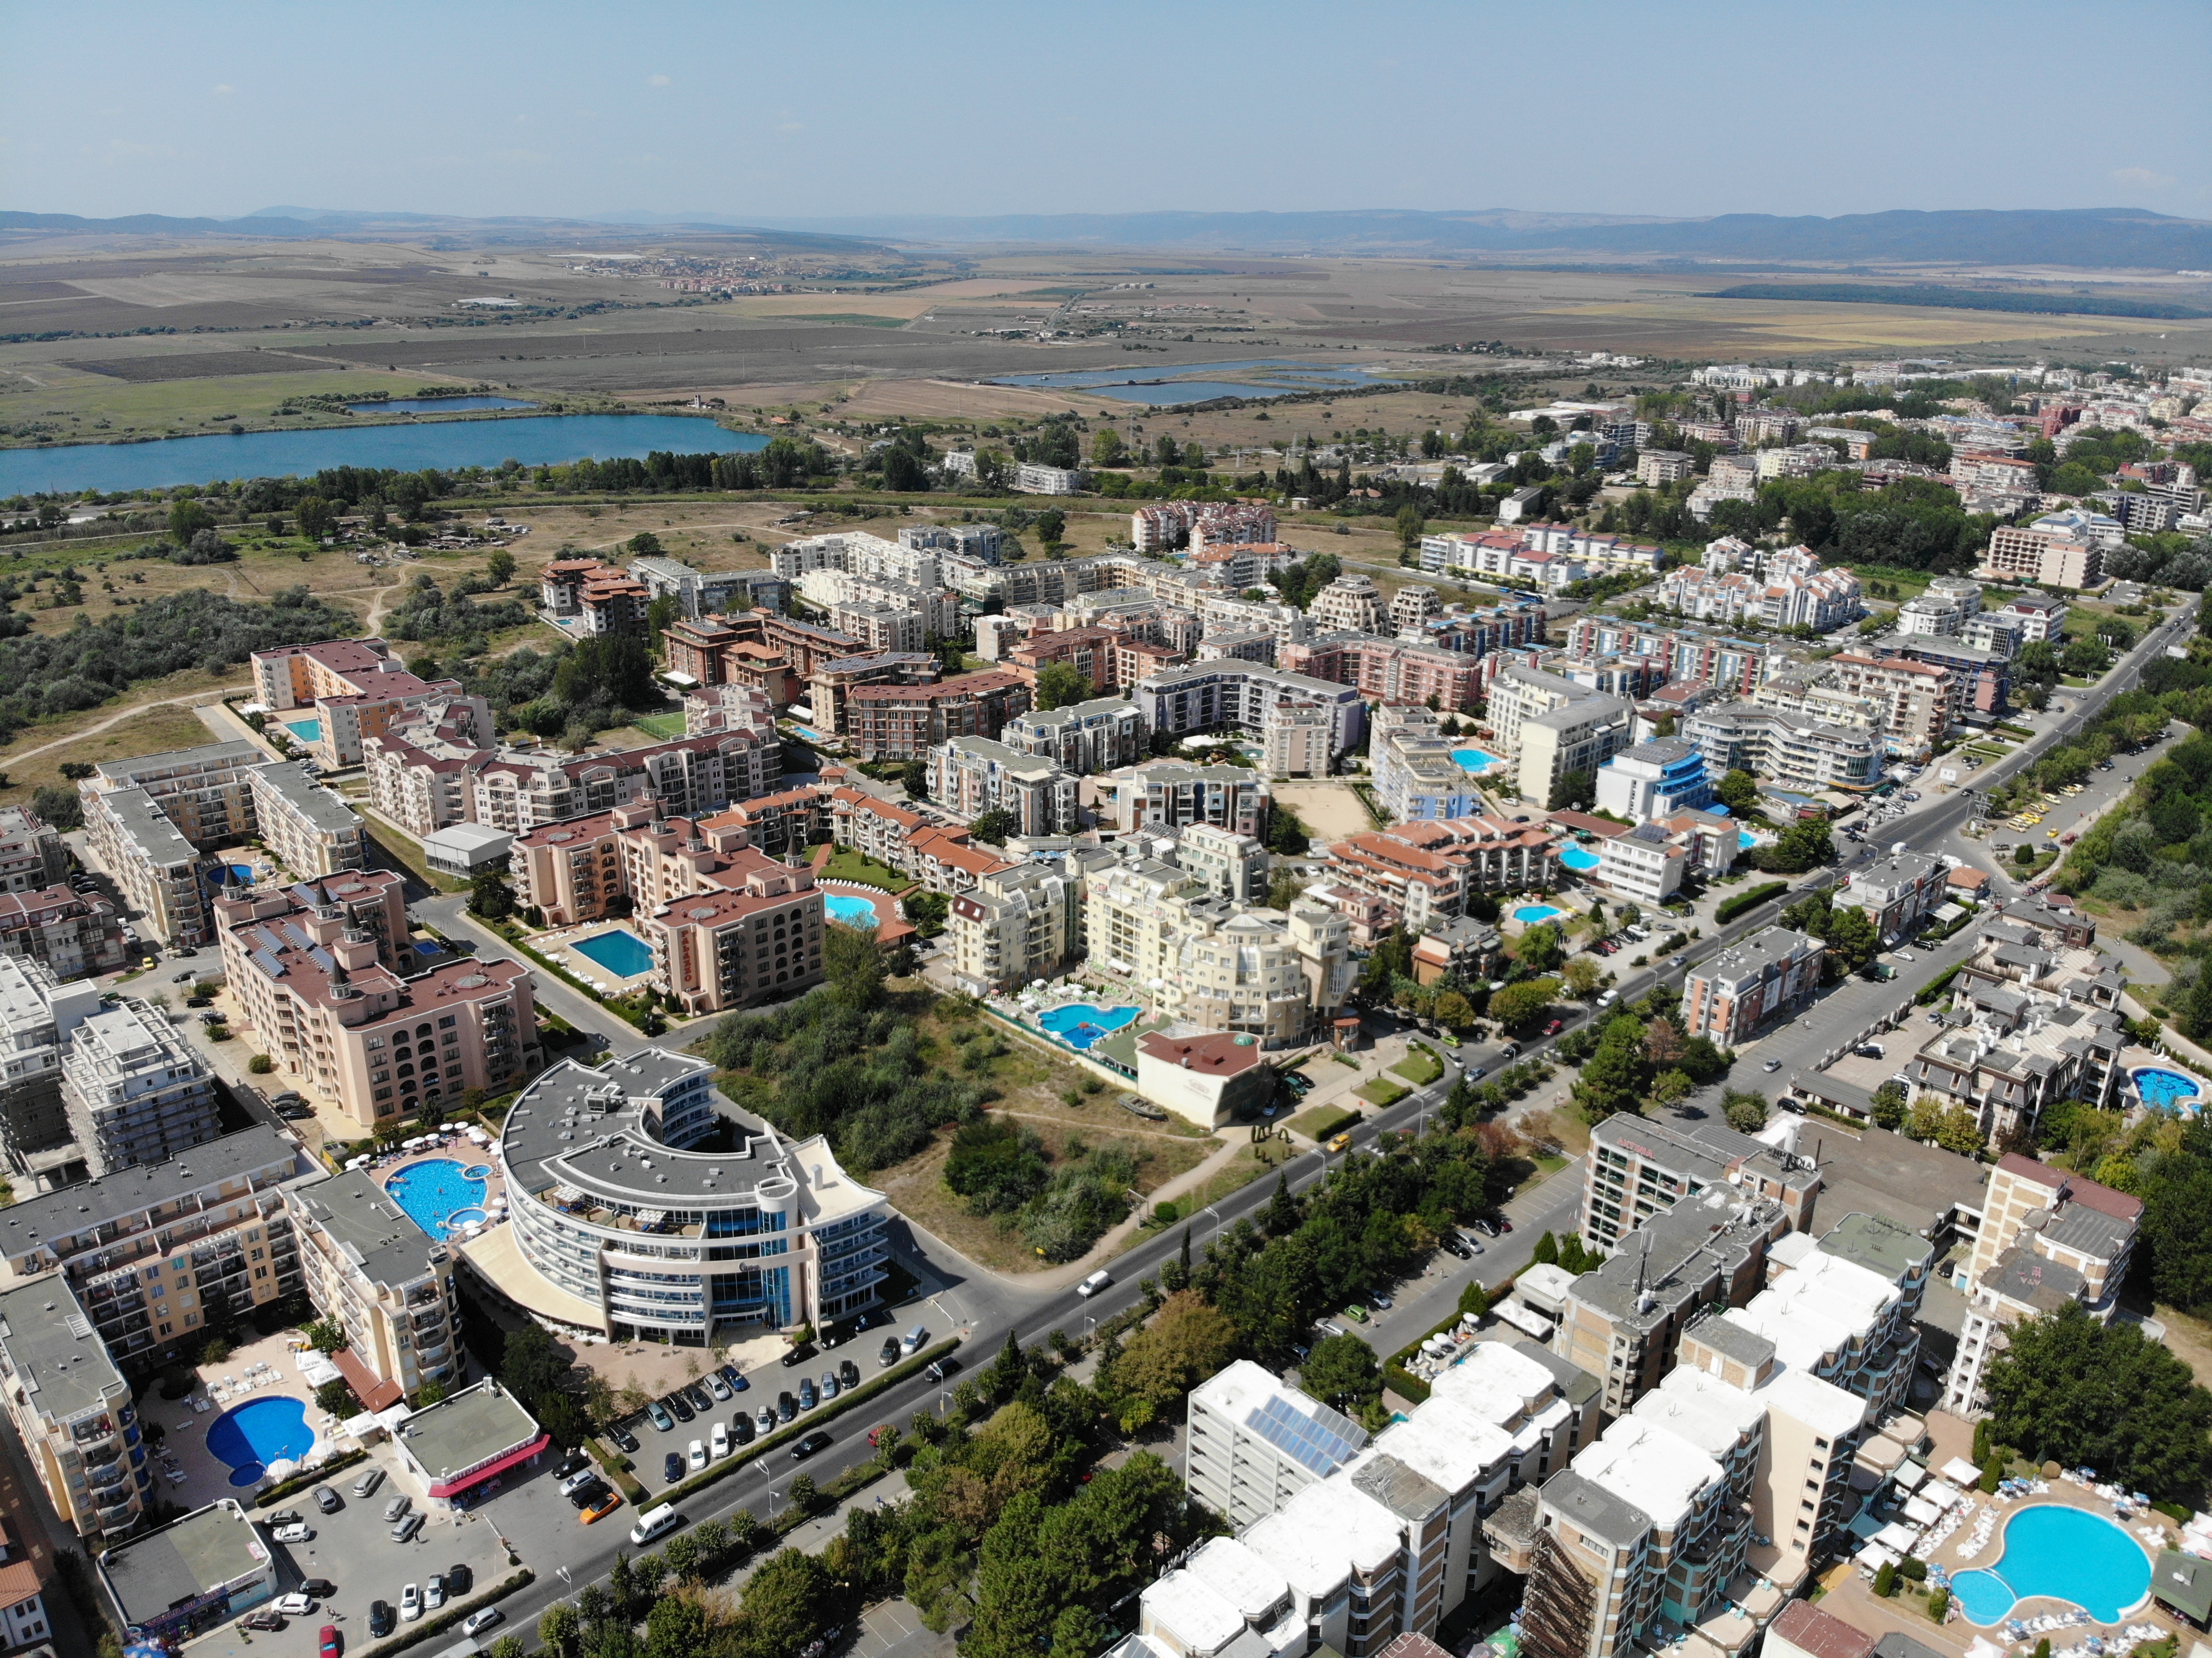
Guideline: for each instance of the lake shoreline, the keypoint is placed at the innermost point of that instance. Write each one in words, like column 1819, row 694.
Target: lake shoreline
column 350, row 422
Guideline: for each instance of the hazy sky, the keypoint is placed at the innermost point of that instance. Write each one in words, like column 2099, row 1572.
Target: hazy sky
column 223, row 107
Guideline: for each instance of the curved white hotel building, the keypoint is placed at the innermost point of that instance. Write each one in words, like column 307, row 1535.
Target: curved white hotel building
column 620, row 1226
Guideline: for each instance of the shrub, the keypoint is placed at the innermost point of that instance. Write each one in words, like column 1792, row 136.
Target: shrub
column 261, row 1065
column 1729, row 909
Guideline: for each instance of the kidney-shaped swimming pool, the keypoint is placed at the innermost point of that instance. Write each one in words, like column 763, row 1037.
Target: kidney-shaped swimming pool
column 2069, row 1554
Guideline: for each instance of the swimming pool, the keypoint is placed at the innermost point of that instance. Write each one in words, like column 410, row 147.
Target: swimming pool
column 1476, row 759
column 1579, row 858
column 2165, row 1088
column 307, row 731
column 2069, row 1554
column 248, row 1437
column 1746, row 838
column 434, row 1191
column 240, row 874
column 1079, row 1025
column 1531, row 914
column 622, row 953
column 849, row 911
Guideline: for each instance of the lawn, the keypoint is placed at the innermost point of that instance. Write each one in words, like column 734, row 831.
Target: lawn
column 1319, row 1122
column 847, row 865
column 1381, row 1091
column 666, row 726
column 1420, row 1066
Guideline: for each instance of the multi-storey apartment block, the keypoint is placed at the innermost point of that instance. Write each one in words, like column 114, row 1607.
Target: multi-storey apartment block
column 1898, row 892
column 1425, row 870
column 1729, row 996
column 159, row 1255
column 1231, row 695
column 904, row 722
column 2048, row 1238
column 755, row 936
column 971, row 776
column 327, row 976
column 1082, row 737
column 622, row 1226
column 1417, row 769
column 1170, row 793
column 71, row 935
column 32, row 855
column 1915, row 701
column 352, row 688
column 72, row 1411
column 136, row 1091
column 1020, row 922
column 312, row 831
column 1794, row 750
column 1256, row 1442
column 148, row 819
column 1655, row 778
column 1554, row 726
column 1639, row 1168
column 2052, row 557
column 371, row 1269
column 34, row 1125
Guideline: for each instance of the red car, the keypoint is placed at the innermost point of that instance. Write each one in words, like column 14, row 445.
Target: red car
column 329, row 1648
column 876, row 1433
column 1555, row 1027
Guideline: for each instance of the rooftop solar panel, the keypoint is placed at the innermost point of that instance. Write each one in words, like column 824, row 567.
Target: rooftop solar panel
column 1323, row 1441
column 267, row 962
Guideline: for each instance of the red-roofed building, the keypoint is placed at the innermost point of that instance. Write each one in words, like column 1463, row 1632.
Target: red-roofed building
column 1801, row 1630
column 356, row 689
column 1207, row 1076
column 75, row 934
column 904, row 722
column 755, row 936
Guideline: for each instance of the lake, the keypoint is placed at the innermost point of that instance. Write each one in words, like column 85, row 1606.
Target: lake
column 1170, row 384
column 435, row 405
column 410, row 446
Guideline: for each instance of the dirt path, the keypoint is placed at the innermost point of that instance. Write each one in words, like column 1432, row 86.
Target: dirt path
column 382, row 603
column 1061, row 1122
column 131, row 712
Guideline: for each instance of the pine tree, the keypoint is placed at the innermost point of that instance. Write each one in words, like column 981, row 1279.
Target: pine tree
column 1183, row 1255
column 1547, row 1253
column 1283, row 1209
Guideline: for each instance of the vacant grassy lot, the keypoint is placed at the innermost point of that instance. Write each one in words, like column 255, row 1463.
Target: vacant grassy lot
column 1419, row 1066
column 850, row 865
column 88, row 406
column 1319, row 1122
column 150, row 730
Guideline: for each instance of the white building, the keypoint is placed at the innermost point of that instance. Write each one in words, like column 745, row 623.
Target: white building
column 1645, row 864
column 1655, row 778
column 136, row 1091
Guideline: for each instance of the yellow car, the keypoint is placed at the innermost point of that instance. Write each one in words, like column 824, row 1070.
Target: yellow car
column 2050, row 834
column 1341, row 1143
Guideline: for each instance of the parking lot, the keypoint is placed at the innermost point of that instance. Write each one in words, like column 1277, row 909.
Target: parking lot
column 353, row 1549
column 764, row 1389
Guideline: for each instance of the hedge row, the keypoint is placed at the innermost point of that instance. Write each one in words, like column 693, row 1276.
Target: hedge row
column 314, row 1477
column 1729, row 909
column 451, row 1615
column 822, row 1413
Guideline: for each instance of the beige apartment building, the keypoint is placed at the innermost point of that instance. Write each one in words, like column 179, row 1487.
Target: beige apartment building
column 312, row 831
column 1917, row 703
column 356, row 689
column 374, row 1271
column 332, row 991
column 72, row 1410
column 148, row 820
column 1554, row 726
column 2045, row 556
column 1729, row 996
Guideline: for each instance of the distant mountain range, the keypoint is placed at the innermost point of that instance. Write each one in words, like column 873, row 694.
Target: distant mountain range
column 2115, row 238
column 2107, row 239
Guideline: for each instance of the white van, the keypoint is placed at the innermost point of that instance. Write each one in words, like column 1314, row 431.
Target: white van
column 914, row 1341
column 655, row 1522
column 1091, row 1286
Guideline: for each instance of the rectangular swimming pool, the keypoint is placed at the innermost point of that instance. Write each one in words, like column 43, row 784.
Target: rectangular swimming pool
column 622, row 953
column 307, row 731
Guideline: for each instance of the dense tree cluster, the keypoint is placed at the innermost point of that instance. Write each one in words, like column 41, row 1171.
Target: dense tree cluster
column 2069, row 1389
column 424, row 612
column 1850, row 937
column 1640, row 1054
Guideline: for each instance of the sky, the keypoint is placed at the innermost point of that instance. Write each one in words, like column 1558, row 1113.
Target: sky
column 742, row 111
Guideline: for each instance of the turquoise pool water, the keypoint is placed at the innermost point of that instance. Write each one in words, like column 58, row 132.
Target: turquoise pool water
column 1079, row 1025
column 248, row 1437
column 434, row 1191
column 2069, row 1554
column 1476, row 759
column 1580, row 857
column 1530, row 914
column 2166, row 1088
column 1745, row 838
column 240, row 874
column 850, row 911
column 307, row 731
column 623, row 954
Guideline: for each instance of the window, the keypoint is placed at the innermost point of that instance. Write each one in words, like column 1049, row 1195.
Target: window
column 447, row 1023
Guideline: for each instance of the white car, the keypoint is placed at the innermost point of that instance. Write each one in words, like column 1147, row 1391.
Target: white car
column 434, row 1594
column 295, row 1606
column 1906, row 956
column 698, row 1458
column 298, row 1532
column 480, row 1620
column 410, row 1602
column 576, row 1481
column 721, row 1443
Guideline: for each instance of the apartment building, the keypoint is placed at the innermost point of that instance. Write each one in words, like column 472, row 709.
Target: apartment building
column 1916, row 703
column 1821, row 600
column 1622, row 1323
column 2052, row 558
column 789, row 821
column 1656, row 467
column 135, row 1090
column 1083, row 738
column 72, row 1411
column 339, row 1005
column 33, row 855
column 969, row 540
column 354, row 689
column 2041, row 616
column 1417, row 770
column 1413, row 604
column 1553, row 726
column 602, row 600
column 1729, row 996
column 1981, row 677
column 1352, row 601
column 1359, row 1545
column 310, row 829
column 2033, row 1019
column 1683, row 655
column 34, row 1125
column 755, row 936
column 1655, row 778
column 612, row 1233
column 1645, row 864
column 72, row 934
column 1225, row 864
column 1424, row 870
column 879, row 626
column 1639, row 1168
column 158, row 1255
column 871, row 556
column 2048, row 1237
column 714, row 709
column 1390, row 670
column 1846, row 1307
column 1019, row 922
column 1298, row 740
column 904, row 722
column 371, row 1269
column 1897, row 892
column 1794, row 750
column 1170, row 793
column 828, row 692
column 148, row 819
column 1229, row 694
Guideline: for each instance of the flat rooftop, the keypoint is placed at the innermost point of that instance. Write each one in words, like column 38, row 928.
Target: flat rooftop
column 54, row 1217
column 184, row 1560
column 362, row 1220
column 1878, row 1173
column 471, row 1428
column 60, row 1362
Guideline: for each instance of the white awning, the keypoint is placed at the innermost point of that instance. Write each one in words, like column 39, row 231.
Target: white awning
column 1900, row 1537
column 1909, row 1476
column 1921, row 1512
column 1960, row 1471
column 567, row 1195
column 651, row 1217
